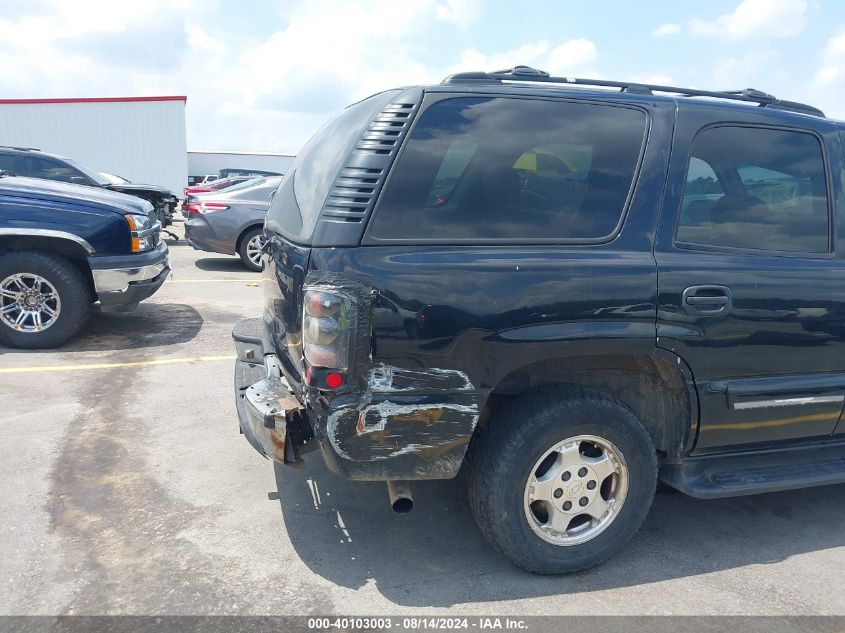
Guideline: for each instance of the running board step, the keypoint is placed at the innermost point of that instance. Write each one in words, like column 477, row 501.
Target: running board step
column 734, row 475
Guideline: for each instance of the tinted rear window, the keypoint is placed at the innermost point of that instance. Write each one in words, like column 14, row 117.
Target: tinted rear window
column 756, row 188
column 246, row 184
column 296, row 207
column 481, row 168
column 258, row 191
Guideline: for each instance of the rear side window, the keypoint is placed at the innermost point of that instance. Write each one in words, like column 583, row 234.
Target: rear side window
column 8, row 162
column 481, row 168
column 52, row 170
column 756, row 188
column 246, row 184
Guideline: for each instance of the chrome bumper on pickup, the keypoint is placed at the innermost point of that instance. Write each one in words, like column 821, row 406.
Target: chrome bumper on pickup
column 118, row 279
column 123, row 281
column 129, row 269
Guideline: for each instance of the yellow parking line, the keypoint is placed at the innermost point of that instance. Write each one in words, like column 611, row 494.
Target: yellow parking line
column 140, row 363
column 202, row 281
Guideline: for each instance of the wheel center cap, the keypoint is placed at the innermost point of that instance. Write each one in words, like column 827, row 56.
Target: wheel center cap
column 573, row 489
column 30, row 301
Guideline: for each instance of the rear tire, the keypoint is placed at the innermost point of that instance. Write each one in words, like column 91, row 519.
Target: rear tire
column 249, row 248
column 561, row 479
column 60, row 293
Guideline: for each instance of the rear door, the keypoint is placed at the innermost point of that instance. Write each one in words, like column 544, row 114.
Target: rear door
column 751, row 280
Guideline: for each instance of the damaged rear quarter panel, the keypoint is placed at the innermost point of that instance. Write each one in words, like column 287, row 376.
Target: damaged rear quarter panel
column 390, row 422
column 408, row 424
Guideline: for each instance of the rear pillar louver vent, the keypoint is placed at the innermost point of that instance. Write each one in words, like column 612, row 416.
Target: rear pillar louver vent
column 352, row 193
column 356, row 187
column 385, row 129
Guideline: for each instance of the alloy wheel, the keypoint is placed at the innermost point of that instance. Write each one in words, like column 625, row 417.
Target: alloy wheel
column 576, row 490
column 28, row 302
column 254, row 249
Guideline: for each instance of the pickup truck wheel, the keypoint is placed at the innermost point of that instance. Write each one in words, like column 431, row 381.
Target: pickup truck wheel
column 44, row 299
column 561, row 479
column 249, row 248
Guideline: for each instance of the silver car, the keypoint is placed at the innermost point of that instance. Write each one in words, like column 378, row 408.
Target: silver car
column 231, row 221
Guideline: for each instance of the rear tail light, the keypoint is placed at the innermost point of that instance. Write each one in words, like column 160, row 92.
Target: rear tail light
column 326, row 331
column 211, row 207
column 321, row 330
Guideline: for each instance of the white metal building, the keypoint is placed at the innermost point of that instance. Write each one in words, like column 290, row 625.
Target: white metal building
column 139, row 138
column 205, row 162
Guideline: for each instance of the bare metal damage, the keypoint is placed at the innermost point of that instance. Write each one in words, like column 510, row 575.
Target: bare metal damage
column 269, row 406
column 386, row 379
column 408, row 423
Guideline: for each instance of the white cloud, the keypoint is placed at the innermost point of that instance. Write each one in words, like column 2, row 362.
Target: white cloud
column 666, row 29
column 746, row 71
column 756, row 18
column 832, row 70
column 459, row 12
column 337, row 48
column 526, row 55
column 572, row 55
column 828, row 83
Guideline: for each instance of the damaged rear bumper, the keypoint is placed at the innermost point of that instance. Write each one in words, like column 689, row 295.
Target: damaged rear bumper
column 266, row 407
column 399, row 424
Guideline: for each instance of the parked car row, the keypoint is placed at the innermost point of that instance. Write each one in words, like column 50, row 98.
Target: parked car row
column 215, row 185
column 65, row 247
column 72, row 238
column 231, row 220
column 36, row 163
column 228, row 172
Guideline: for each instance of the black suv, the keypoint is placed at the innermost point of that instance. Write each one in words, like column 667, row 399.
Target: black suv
column 573, row 291
column 35, row 163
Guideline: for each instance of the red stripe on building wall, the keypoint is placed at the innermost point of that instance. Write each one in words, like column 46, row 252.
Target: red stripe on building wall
column 92, row 100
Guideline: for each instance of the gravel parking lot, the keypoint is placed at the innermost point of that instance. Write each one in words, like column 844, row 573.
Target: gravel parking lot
column 127, row 489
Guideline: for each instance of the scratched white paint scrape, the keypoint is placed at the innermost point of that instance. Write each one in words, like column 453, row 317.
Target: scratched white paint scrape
column 383, row 378
column 410, row 448
column 385, row 411
column 331, row 430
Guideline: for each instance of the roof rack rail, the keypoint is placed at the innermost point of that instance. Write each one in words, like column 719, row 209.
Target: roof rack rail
column 526, row 73
column 20, row 149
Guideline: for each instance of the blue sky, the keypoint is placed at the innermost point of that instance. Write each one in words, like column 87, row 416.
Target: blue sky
column 265, row 75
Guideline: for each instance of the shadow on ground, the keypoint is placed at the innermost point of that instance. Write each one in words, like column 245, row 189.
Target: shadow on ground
column 222, row 264
column 435, row 557
column 149, row 325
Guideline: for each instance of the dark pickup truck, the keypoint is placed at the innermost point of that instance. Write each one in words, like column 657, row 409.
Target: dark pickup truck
column 571, row 291
column 36, row 163
column 65, row 248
